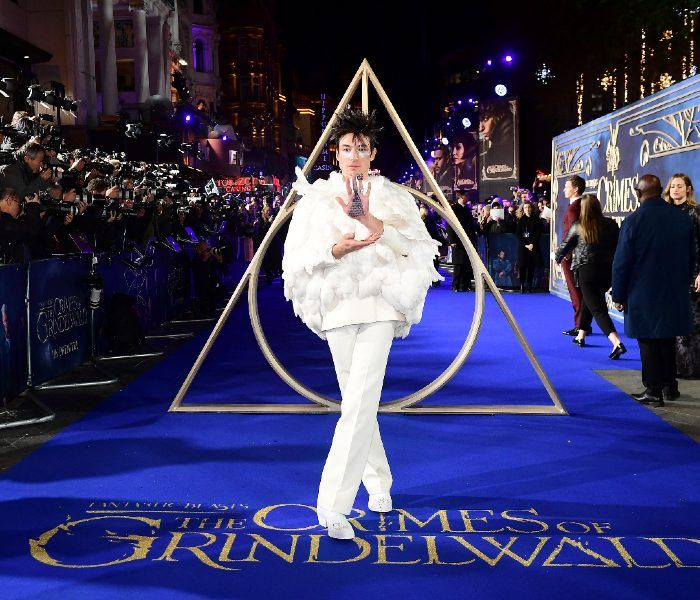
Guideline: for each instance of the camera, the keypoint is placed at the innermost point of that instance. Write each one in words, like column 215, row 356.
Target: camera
column 50, row 205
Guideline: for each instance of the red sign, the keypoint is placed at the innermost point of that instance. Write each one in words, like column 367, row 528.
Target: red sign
column 233, row 185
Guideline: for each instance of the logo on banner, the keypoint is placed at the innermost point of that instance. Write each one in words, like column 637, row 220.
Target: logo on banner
column 60, row 315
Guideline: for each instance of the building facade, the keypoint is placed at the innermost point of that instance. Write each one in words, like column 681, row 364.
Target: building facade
column 251, row 85
column 110, row 55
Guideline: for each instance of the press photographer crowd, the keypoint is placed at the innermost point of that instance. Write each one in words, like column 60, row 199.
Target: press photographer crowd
column 55, row 201
column 97, row 250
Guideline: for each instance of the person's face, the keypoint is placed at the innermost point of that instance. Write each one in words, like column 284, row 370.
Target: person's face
column 678, row 190
column 502, row 254
column 527, row 209
column 69, row 196
column 569, row 190
column 440, row 160
column 486, row 125
column 55, row 193
column 35, row 163
column 354, row 155
column 458, row 153
column 11, row 206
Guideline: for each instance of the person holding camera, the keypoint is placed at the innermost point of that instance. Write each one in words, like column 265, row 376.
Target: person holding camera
column 207, row 269
column 60, row 214
column 27, row 174
column 18, row 230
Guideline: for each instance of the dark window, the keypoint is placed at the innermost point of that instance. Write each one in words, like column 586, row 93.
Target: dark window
column 126, row 76
column 199, row 56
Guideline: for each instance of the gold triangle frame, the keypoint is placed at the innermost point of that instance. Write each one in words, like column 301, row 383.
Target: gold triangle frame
column 407, row 404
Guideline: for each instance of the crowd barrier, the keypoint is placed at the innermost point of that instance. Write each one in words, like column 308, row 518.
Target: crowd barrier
column 504, row 269
column 49, row 325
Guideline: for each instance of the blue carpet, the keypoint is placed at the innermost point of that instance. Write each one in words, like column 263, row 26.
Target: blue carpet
column 603, row 503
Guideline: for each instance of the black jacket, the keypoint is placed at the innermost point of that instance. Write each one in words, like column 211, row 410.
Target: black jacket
column 464, row 216
column 22, row 179
column 17, row 236
column 528, row 230
column 584, row 253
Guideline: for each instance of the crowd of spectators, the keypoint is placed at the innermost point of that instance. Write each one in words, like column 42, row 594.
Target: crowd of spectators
column 525, row 213
column 55, row 201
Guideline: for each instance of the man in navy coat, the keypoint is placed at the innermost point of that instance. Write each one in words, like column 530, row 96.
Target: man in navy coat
column 653, row 266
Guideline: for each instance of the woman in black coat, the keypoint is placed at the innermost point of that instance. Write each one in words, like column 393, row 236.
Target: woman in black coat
column 593, row 239
column 528, row 230
column 679, row 192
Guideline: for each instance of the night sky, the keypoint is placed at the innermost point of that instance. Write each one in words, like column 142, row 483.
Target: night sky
column 325, row 43
column 324, row 48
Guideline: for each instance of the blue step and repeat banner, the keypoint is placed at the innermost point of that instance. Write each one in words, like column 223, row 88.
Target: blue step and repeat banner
column 659, row 135
column 13, row 330
column 59, row 316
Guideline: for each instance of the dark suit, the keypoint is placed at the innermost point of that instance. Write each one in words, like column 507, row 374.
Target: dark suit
column 463, row 272
column 570, row 217
column 654, row 264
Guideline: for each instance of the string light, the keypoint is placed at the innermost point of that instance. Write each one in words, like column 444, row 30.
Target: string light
column 665, row 81
column 626, row 90
column 692, row 44
column 614, row 89
column 544, row 74
column 579, row 98
column 642, row 65
column 607, row 80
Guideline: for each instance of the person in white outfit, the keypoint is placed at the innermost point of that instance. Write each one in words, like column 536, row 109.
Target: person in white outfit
column 358, row 262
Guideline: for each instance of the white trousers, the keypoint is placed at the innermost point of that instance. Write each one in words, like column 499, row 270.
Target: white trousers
column 360, row 354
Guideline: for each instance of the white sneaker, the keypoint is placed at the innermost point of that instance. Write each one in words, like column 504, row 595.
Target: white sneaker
column 337, row 524
column 380, row 503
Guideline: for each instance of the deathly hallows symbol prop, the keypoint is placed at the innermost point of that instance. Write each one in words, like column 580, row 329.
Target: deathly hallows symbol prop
column 406, row 404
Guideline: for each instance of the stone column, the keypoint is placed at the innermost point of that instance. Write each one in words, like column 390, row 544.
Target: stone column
column 90, row 98
column 156, row 69
column 108, row 58
column 141, row 55
column 165, row 88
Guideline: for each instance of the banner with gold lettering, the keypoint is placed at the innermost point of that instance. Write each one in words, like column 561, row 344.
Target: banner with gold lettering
column 59, row 334
column 659, row 134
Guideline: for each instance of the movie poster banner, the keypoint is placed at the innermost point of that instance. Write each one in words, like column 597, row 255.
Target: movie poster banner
column 13, row 330
column 659, row 135
column 59, row 316
column 499, row 139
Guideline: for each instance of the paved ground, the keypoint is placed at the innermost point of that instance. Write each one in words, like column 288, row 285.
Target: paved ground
column 684, row 413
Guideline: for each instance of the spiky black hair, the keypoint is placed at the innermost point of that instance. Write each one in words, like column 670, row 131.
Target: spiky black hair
column 350, row 120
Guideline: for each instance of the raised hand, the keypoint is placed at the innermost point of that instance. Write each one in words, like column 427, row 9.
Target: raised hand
column 357, row 205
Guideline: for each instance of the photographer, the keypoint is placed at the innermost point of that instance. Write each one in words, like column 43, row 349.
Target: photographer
column 26, row 175
column 18, row 231
column 163, row 217
column 207, row 269
column 60, row 216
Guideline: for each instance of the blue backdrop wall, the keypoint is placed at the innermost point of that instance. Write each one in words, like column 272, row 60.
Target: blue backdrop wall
column 659, row 134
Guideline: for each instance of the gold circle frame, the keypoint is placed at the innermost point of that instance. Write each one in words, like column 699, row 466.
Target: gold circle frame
column 399, row 403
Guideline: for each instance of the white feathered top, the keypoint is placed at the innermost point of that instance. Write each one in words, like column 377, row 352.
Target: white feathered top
column 398, row 267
